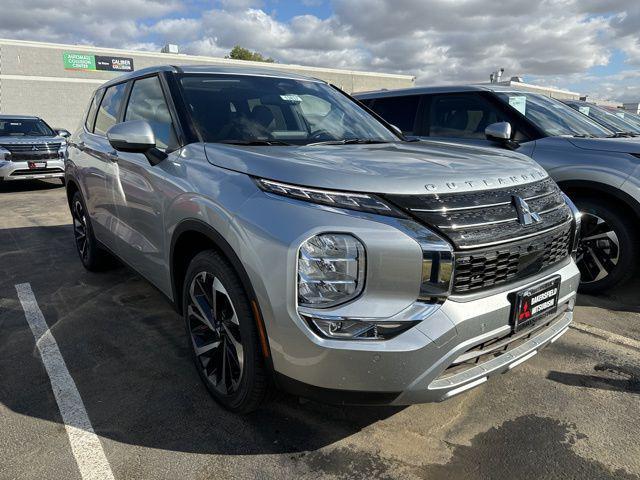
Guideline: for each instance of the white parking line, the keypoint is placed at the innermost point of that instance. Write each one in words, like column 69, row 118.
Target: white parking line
column 85, row 444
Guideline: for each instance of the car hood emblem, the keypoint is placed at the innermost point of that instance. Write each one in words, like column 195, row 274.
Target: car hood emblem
column 525, row 215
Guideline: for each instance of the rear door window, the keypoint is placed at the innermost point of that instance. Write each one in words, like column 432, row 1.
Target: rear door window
column 398, row 111
column 461, row 116
column 109, row 108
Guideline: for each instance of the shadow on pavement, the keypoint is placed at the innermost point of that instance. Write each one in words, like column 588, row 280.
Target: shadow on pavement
column 126, row 350
column 621, row 299
column 29, row 185
column 624, row 378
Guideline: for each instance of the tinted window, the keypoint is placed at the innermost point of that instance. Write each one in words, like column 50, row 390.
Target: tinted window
column 147, row 102
column 399, row 111
column 242, row 108
column 91, row 114
column 461, row 116
column 24, row 127
column 109, row 108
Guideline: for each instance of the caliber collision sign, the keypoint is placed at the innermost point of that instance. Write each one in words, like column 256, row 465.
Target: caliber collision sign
column 82, row 61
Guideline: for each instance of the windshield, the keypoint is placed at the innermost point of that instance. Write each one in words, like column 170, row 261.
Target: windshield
column 553, row 117
column 257, row 110
column 628, row 117
column 24, row 127
column 605, row 117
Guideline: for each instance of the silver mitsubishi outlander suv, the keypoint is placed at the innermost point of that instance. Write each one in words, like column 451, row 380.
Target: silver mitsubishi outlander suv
column 30, row 149
column 312, row 248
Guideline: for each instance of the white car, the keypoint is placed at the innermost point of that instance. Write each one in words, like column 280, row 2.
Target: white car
column 30, row 149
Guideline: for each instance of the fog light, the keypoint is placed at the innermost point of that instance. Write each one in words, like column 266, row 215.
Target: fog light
column 346, row 328
column 330, row 270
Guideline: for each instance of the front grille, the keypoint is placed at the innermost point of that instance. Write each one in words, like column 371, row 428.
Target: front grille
column 491, row 244
column 489, row 267
column 35, row 156
column 31, row 147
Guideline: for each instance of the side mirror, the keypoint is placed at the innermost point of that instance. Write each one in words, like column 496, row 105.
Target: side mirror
column 63, row 133
column 500, row 132
column 396, row 129
column 135, row 136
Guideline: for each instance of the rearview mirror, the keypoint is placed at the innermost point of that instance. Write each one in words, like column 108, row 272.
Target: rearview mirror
column 135, row 136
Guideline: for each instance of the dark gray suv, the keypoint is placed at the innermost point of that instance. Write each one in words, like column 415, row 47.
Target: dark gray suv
column 598, row 168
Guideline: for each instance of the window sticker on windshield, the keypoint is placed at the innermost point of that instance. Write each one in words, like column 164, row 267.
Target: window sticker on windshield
column 620, row 114
column 584, row 110
column 519, row 103
column 291, row 98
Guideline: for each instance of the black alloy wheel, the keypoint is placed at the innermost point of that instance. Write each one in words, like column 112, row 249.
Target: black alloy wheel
column 222, row 330
column 215, row 333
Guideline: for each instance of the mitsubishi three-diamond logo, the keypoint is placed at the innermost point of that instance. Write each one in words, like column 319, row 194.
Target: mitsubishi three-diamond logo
column 525, row 215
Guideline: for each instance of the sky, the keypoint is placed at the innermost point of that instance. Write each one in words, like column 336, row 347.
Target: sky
column 588, row 46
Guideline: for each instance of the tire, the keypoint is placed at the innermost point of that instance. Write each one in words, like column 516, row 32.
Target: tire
column 222, row 335
column 609, row 248
column 92, row 256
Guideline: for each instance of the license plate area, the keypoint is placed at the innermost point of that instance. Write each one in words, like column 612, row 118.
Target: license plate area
column 33, row 165
column 535, row 302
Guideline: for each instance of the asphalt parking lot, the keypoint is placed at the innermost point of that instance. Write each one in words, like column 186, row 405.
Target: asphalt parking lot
column 573, row 411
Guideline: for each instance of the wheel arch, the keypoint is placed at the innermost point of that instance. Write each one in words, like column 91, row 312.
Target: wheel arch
column 191, row 237
column 584, row 188
column 71, row 187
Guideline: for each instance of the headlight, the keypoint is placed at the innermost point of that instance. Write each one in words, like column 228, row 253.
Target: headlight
column 330, row 270
column 363, row 202
column 577, row 217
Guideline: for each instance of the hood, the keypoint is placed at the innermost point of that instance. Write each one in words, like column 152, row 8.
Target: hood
column 13, row 140
column 394, row 168
column 620, row 145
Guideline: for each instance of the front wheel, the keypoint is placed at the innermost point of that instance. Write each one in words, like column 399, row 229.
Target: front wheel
column 608, row 249
column 223, row 335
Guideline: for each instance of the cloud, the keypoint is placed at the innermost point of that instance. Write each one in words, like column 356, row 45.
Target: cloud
column 439, row 41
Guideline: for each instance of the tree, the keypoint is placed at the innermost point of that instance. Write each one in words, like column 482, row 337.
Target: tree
column 241, row 53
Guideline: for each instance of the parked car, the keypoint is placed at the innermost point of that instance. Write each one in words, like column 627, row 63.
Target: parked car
column 606, row 118
column 599, row 172
column 30, row 149
column 310, row 247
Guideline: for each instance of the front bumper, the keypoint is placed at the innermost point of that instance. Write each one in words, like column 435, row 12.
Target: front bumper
column 414, row 367
column 19, row 170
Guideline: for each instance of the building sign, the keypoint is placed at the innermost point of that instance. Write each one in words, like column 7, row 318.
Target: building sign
column 81, row 61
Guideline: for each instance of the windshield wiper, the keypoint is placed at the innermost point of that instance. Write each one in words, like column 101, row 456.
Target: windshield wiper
column 253, row 142
column 349, row 141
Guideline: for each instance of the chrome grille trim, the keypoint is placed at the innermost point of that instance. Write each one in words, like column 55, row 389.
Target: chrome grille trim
column 50, row 147
column 523, row 237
